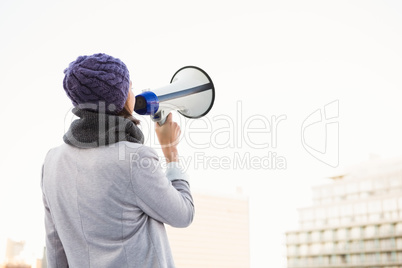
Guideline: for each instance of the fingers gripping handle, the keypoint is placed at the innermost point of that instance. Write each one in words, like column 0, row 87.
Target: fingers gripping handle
column 160, row 117
column 160, row 123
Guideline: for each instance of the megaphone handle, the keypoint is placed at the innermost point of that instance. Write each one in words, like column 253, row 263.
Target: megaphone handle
column 160, row 123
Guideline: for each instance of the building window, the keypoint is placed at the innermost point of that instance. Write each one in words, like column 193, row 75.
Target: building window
column 398, row 228
column 366, row 186
column 341, row 234
column 291, row 238
column 380, row 184
column 369, row 245
column 315, row 248
column 315, row 236
column 303, row 237
column 355, row 232
column 370, row 231
column 390, row 204
column 374, row 206
column 328, row 235
column 386, row 229
column 360, row 208
column 395, row 181
column 399, row 244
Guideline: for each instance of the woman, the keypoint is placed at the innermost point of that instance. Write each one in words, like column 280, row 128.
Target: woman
column 106, row 198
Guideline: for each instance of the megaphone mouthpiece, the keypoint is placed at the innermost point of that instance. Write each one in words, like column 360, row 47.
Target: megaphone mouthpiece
column 146, row 103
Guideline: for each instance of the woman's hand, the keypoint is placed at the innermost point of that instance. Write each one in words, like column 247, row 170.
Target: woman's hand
column 168, row 135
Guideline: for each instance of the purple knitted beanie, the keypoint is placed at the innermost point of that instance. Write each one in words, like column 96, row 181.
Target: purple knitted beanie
column 99, row 78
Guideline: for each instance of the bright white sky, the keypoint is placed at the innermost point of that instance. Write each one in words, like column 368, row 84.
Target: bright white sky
column 266, row 58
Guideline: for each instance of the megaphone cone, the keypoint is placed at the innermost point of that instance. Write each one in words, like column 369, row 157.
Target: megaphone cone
column 190, row 92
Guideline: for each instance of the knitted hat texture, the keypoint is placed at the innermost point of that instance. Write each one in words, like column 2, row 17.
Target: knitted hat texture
column 97, row 82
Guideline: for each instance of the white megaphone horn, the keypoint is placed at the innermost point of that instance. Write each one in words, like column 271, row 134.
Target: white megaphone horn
column 190, row 92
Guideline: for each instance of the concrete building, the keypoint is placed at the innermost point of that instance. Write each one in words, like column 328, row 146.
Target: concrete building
column 218, row 236
column 13, row 258
column 355, row 220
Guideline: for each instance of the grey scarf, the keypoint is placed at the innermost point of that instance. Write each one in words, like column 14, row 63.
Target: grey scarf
column 97, row 129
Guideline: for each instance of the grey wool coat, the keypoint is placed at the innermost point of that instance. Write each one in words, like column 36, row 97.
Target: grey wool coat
column 107, row 206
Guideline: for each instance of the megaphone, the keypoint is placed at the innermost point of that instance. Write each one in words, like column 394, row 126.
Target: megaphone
column 190, row 92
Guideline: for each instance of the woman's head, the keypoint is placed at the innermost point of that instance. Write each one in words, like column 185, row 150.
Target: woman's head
column 99, row 83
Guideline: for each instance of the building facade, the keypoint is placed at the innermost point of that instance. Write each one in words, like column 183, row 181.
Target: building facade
column 218, row 236
column 355, row 220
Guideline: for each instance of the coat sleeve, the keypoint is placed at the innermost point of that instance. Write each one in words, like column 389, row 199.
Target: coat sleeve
column 55, row 254
column 165, row 197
